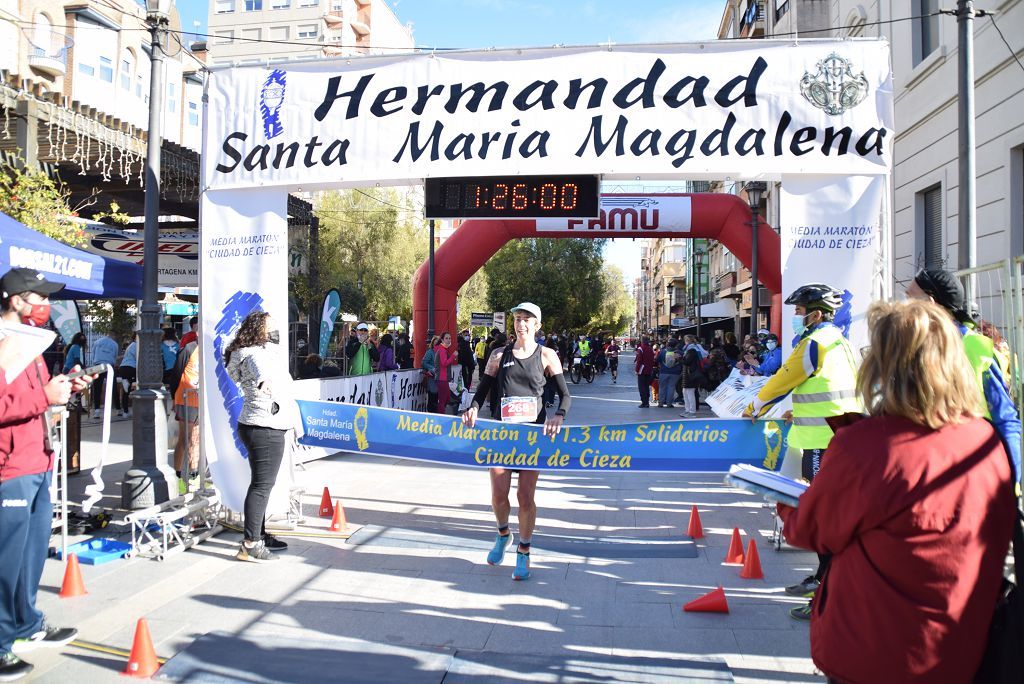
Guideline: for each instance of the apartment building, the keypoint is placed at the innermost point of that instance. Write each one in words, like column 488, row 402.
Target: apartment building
column 925, row 183
column 97, row 55
column 254, row 31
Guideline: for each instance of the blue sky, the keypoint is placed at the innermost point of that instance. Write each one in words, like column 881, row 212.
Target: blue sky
column 530, row 23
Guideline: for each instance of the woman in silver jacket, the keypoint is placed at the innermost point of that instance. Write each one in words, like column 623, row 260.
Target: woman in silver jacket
column 253, row 361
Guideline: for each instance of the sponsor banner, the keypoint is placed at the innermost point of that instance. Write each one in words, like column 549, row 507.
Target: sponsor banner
column 670, row 446
column 332, row 305
column 244, row 261
column 179, row 252
column 498, row 321
column 831, row 233
column 401, row 389
column 631, row 215
column 654, row 111
column 484, row 319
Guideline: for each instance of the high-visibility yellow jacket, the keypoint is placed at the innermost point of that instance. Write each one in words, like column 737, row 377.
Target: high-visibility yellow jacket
column 821, row 373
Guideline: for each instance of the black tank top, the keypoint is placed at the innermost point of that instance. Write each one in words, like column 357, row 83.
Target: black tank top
column 523, row 377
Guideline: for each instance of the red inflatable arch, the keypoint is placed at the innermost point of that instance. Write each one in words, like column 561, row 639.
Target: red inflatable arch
column 719, row 216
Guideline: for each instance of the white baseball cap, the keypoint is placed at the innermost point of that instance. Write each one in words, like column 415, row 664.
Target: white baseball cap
column 362, row 326
column 530, row 308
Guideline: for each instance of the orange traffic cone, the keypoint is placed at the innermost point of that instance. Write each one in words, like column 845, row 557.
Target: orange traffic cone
column 73, row 585
column 711, row 602
column 338, row 522
column 326, row 509
column 735, row 553
column 695, row 530
column 142, row 663
column 752, row 563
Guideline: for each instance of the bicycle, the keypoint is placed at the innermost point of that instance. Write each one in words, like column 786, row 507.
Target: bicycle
column 574, row 371
column 587, row 371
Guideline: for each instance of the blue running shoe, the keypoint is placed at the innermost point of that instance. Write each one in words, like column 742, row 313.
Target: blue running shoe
column 522, row 570
column 498, row 552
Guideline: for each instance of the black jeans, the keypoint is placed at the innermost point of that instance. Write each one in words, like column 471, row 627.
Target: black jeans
column 644, row 385
column 809, row 465
column 99, row 389
column 266, row 449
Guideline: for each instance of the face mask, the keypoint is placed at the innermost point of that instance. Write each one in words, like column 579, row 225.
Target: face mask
column 37, row 316
column 798, row 324
column 771, row 345
column 274, row 337
column 466, row 337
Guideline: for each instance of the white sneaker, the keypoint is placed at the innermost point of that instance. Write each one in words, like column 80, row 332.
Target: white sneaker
column 95, row 413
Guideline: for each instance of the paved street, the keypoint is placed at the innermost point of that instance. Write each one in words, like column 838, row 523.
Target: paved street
column 381, row 611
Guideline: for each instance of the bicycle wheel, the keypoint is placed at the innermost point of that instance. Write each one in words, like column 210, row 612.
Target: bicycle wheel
column 591, row 372
column 574, row 375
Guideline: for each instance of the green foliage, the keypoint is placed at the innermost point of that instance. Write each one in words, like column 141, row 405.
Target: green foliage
column 117, row 316
column 363, row 240
column 561, row 276
column 473, row 297
column 35, row 199
column 618, row 308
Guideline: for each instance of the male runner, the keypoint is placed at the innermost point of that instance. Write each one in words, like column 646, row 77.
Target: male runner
column 612, row 353
column 520, row 370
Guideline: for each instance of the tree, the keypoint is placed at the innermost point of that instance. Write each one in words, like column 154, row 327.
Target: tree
column 561, row 276
column 618, row 308
column 472, row 297
column 368, row 250
column 35, row 199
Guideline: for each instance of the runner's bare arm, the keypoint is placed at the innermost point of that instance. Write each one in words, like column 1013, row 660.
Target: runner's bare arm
column 552, row 366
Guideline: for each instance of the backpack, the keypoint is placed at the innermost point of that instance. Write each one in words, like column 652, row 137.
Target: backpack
column 671, row 359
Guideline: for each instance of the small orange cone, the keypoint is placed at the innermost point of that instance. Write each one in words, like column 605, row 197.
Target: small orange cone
column 142, row 663
column 326, row 509
column 752, row 563
column 695, row 530
column 711, row 602
column 735, row 553
column 338, row 522
column 73, row 584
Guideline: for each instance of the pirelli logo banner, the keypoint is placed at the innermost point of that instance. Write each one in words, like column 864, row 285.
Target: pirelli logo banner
column 722, row 108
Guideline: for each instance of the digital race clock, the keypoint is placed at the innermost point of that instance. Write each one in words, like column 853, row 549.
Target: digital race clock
column 518, row 197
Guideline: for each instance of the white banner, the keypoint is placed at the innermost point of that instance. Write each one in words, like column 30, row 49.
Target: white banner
column 179, row 252
column 653, row 111
column 630, row 214
column 244, row 263
column 831, row 233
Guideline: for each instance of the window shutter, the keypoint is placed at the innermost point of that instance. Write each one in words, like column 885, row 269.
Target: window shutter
column 933, row 247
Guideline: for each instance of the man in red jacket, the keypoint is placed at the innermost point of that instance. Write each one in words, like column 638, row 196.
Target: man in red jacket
column 25, row 466
column 644, row 366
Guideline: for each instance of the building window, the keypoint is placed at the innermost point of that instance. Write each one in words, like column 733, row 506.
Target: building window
column 926, row 29
column 86, row 69
column 309, row 3
column 250, row 34
column 127, row 69
column 253, row 5
column 929, row 204
column 172, row 102
column 224, row 6
column 138, row 85
column 107, row 69
column 225, row 37
column 781, row 7
column 337, row 5
column 278, row 33
column 193, row 113
column 307, row 31
column 280, row 4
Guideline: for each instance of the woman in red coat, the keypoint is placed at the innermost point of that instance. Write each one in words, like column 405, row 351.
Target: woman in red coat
column 916, row 505
column 446, row 358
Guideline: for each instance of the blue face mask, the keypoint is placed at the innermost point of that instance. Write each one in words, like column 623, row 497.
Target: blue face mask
column 770, row 345
column 798, row 324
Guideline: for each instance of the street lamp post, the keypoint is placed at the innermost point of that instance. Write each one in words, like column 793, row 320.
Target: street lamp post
column 147, row 482
column 754, row 191
column 699, row 256
column 669, row 289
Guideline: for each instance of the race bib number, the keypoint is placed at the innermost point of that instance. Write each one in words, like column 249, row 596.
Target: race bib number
column 519, row 409
column 577, row 360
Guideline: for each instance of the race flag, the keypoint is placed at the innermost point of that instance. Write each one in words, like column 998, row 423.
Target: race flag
column 66, row 318
column 332, row 305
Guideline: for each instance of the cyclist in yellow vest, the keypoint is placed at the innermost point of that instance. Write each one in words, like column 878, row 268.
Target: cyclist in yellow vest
column 944, row 288
column 821, row 374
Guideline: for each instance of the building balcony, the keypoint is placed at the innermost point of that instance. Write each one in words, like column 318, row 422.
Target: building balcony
column 51, row 61
column 360, row 28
